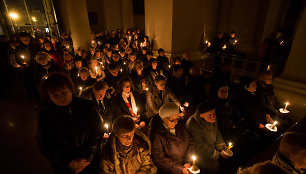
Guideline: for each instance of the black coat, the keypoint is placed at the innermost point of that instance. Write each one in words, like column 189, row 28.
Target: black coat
column 170, row 152
column 67, row 133
column 119, row 107
column 103, row 111
column 250, row 108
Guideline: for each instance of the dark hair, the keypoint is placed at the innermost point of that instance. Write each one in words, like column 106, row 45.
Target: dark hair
column 55, row 81
column 245, row 81
column 159, row 78
column 113, row 66
column 205, row 106
column 151, row 61
column 177, row 67
column 121, row 83
column 177, row 59
column 150, row 53
column 160, row 50
column 123, row 124
column 99, row 85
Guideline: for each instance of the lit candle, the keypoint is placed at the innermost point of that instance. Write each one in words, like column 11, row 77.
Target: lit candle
column 224, row 47
column 96, row 69
column 208, row 44
column 80, row 90
column 193, row 162
column 22, row 57
column 236, row 41
column 286, row 104
column 135, row 111
column 106, row 125
column 147, row 89
column 206, row 41
column 124, row 63
column 269, row 67
column 274, row 124
column 169, row 66
column 230, row 145
column 121, row 70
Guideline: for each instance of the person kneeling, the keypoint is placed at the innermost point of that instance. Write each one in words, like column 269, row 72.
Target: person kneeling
column 127, row 150
column 172, row 145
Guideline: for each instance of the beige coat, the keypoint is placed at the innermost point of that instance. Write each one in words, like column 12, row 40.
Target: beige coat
column 137, row 161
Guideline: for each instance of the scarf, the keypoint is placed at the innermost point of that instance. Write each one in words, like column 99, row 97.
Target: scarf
column 132, row 108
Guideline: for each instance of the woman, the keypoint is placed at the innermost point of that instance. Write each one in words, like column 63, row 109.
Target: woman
column 68, row 128
column 95, row 70
column 152, row 72
column 172, row 145
column 159, row 95
column 207, row 137
column 127, row 151
column 68, row 61
column 126, row 104
column 48, row 47
column 138, row 76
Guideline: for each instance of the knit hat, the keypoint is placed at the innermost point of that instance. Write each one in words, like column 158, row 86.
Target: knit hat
column 205, row 107
column 168, row 109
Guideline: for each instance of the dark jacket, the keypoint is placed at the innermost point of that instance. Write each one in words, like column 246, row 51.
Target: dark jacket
column 170, row 152
column 67, row 133
column 162, row 62
column 103, row 109
column 209, row 143
column 268, row 99
column 250, row 108
column 155, row 100
column 120, row 108
column 282, row 161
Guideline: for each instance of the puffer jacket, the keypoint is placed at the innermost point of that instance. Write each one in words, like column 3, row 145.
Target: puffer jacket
column 114, row 161
column 154, row 102
column 170, row 152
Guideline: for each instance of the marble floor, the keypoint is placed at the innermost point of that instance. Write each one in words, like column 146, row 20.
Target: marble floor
column 18, row 122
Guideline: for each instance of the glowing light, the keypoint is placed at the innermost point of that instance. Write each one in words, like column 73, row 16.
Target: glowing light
column 13, row 15
column 34, row 19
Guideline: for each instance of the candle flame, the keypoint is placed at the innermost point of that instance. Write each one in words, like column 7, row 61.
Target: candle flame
column 106, row 125
column 230, row 144
column 22, row 56
column 287, row 103
column 275, row 122
column 147, row 89
column 193, row 157
column 81, row 88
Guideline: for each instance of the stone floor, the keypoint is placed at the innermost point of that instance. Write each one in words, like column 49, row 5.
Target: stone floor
column 18, row 123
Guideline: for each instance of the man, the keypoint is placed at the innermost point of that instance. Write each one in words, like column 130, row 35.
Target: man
column 207, row 137
column 127, row 151
column 100, row 99
column 69, row 128
column 162, row 60
column 172, row 145
column 291, row 154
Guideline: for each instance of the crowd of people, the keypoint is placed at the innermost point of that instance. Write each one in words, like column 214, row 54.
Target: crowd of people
column 115, row 108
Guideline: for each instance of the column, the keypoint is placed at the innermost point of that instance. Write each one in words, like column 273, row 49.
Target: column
column 73, row 16
column 291, row 85
column 127, row 14
column 175, row 25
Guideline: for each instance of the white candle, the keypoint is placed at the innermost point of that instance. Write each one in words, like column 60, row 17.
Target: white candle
column 135, row 111
column 80, row 92
column 286, row 104
column 269, row 67
column 106, row 125
column 193, row 162
column 230, row 145
column 96, row 69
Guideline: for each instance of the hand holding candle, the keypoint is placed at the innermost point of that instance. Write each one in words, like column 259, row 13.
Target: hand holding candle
column 230, row 145
column 284, row 110
column 106, row 126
